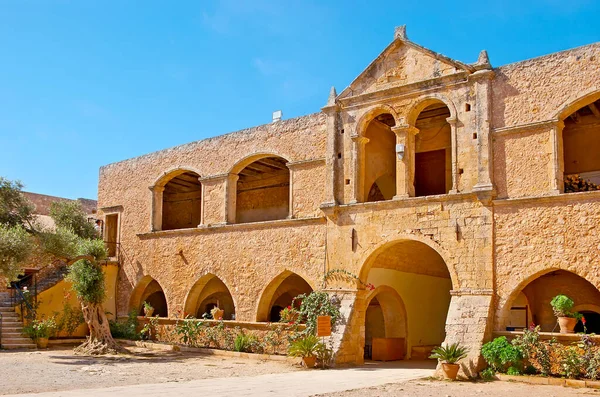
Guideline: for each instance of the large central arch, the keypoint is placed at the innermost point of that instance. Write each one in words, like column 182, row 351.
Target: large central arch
column 417, row 284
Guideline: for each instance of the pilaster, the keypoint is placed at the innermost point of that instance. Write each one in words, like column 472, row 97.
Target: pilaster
column 358, row 156
column 405, row 166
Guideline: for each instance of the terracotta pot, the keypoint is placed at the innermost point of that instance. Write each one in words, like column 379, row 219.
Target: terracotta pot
column 309, row 362
column 450, row 371
column 148, row 312
column 42, row 343
column 218, row 314
column 567, row 325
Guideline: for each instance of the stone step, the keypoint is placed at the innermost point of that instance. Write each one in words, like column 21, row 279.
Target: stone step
column 11, row 324
column 9, row 335
column 18, row 329
column 21, row 339
column 11, row 346
column 7, row 309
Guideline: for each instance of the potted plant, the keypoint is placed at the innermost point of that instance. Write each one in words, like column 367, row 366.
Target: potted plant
column 449, row 355
column 40, row 331
column 307, row 347
column 148, row 309
column 217, row 313
column 561, row 306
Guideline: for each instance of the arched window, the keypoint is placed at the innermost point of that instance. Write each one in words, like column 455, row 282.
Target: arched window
column 148, row 290
column 206, row 293
column 182, row 202
column 279, row 294
column 581, row 145
column 380, row 159
column 263, row 191
column 433, row 151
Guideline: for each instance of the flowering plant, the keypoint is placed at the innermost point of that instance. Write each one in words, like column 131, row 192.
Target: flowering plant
column 288, row 315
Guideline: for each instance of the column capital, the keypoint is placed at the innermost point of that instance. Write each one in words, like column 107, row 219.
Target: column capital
column 452, row 120
column 405, row 129
column 359, row 139
column 559, row 124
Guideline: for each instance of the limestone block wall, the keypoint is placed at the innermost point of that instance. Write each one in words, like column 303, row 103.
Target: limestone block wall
column 539, row 89
column 523, row 163
column 534, row 237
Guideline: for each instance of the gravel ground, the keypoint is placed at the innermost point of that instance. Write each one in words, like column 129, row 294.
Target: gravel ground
column 57, row 369
column 434, row 388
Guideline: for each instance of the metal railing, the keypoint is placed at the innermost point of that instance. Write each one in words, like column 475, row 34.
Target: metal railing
column 0, row 330
column 22, row 299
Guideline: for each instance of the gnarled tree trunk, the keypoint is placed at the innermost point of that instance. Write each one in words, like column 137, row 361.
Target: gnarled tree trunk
column 100, row 340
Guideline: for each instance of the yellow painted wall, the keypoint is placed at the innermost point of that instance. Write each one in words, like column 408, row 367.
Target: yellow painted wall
column 426, row 299
column 52, row 300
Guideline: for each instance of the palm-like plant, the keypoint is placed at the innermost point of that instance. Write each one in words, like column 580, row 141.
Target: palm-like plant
column 307, row 346
column 450, row 353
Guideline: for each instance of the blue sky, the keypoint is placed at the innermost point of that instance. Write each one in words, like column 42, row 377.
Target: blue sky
column 86, row 83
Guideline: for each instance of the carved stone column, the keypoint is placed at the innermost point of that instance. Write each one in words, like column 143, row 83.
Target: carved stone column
column 483, row 89
column 358, row 155
column 452, row 121
column 157, row 207
column 558, row 158
column 405, row 167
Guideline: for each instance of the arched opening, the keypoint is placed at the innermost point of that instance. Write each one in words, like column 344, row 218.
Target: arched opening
column 148, row 290
column 279, row 294
column 540, row 291
column 385, row 322
column 209, row 292
column 433, row 151
column 182, row 202
column 380, row 159
column 520, row 313
column 263, row 191
column 418, row 276
column 581, row 145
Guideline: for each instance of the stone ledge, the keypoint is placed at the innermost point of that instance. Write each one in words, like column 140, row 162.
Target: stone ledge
column 555, row 198
column 234, row 227
column 227, row 323
column 540, row 380
column 207, row 351
column 548, row 335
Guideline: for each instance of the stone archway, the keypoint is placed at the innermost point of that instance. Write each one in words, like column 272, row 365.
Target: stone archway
column 149, row 290
column 208, row 292
column 279, row 293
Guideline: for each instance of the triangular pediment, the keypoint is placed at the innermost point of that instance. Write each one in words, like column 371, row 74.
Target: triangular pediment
column 402, row 63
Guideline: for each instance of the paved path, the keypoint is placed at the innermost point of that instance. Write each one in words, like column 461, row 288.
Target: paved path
column 291, row 384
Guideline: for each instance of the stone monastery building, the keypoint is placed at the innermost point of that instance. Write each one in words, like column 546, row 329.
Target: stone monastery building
column 442, row 183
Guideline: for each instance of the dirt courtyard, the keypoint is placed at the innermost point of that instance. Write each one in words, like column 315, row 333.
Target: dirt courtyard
column 58, row 369
column 435, row 388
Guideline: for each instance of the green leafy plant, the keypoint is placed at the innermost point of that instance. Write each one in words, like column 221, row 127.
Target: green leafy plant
column 189, row 330
column 69, row 319
column 315, row 304
column 244, row 342
column 500, row 354
column 44, row 328
column 70, row 215
column 306, row 346
column 562, row 305
column 488, row 374
column 449, row 354
column 126, row 329
column 149, row 329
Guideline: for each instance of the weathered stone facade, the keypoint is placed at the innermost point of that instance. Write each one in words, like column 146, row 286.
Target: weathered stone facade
column 439, row 182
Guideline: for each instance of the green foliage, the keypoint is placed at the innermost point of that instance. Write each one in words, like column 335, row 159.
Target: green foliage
column 88, row 281
column 126, row 329
column 61, row 243
column 15, row 248
column 244, row 342
column 305, row 346
column 562, row 305
column 93, row 247
column 500, row 354
column 189, row 330
column 317, row 303
column 70, row 215
column 450, row 353
column 488, row 374
column 40, row 328
column 148, row 331
column 512, row 370
column 15, row 209
column 69, row 319
column 571, row 362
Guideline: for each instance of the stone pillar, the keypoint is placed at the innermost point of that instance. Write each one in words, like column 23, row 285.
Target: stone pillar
column 348, row 337
column 405, row 167
column 558, row 158
column 358, row 156
column 483, row 90
column 331, row 110
column 231, row 198
column 214, row 200
column 157, row 207
column 453, row 139
column 291, row 194
column 469, row 323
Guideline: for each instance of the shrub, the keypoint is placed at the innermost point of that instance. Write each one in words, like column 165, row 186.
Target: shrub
column 244, row 342
column 449, row 354
column 488, row 374
column 500, row 354
column 315, row 304
column 189, row 330
column 562, row 305
column 306, row 346
column 126, row 329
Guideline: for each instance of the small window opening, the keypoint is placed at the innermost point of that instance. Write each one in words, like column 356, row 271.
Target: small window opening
column 467, row 107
